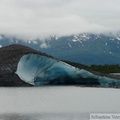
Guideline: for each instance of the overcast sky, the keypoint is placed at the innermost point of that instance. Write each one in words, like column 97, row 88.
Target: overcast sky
column 35, row 18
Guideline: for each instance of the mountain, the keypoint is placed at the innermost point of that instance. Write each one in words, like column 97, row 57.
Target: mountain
column 23, row 66
column 83, row 48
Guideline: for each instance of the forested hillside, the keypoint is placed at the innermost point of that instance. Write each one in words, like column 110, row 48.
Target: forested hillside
column 107, row 68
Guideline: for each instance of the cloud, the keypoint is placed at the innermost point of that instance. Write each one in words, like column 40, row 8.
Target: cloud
column 42, row 18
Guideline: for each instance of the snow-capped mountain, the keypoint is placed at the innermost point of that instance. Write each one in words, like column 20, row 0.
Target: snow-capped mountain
column 83, row 48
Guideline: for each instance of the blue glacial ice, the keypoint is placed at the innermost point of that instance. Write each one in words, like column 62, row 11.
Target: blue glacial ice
column 37, row 70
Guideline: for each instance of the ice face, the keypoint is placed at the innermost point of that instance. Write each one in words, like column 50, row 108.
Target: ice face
column 39, row 70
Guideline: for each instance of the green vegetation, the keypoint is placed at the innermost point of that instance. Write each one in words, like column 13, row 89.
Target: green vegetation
column 107, row 68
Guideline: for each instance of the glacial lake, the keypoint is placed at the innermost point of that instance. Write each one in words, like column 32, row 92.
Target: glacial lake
column 57, row 103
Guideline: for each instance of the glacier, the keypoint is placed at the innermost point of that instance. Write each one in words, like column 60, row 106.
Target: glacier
column 37, row 70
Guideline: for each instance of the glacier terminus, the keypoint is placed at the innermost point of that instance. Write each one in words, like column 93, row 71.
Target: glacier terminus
column 38, row 70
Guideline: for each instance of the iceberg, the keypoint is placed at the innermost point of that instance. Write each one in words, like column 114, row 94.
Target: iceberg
column 38, row 70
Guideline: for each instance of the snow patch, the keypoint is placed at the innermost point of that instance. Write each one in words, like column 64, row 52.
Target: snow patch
column 74, row 40
column 44, row 45
column 84, row 37
column 29, row 41
column 117, row 38
column 106, row 44
column 56, row 38
column 34, row 42
column 70, row 45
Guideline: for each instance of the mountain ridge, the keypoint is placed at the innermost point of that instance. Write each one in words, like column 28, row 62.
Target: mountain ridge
column 83, row 48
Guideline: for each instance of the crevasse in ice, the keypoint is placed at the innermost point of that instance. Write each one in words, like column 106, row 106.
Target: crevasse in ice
column 37, row 70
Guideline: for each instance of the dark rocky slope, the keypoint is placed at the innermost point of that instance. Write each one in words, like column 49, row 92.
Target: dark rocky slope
column 9, row 57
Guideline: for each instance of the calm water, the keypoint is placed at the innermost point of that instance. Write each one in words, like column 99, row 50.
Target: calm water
column 57, row 103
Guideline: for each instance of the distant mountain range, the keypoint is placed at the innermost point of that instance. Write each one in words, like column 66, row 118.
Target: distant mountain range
column 83, row 48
